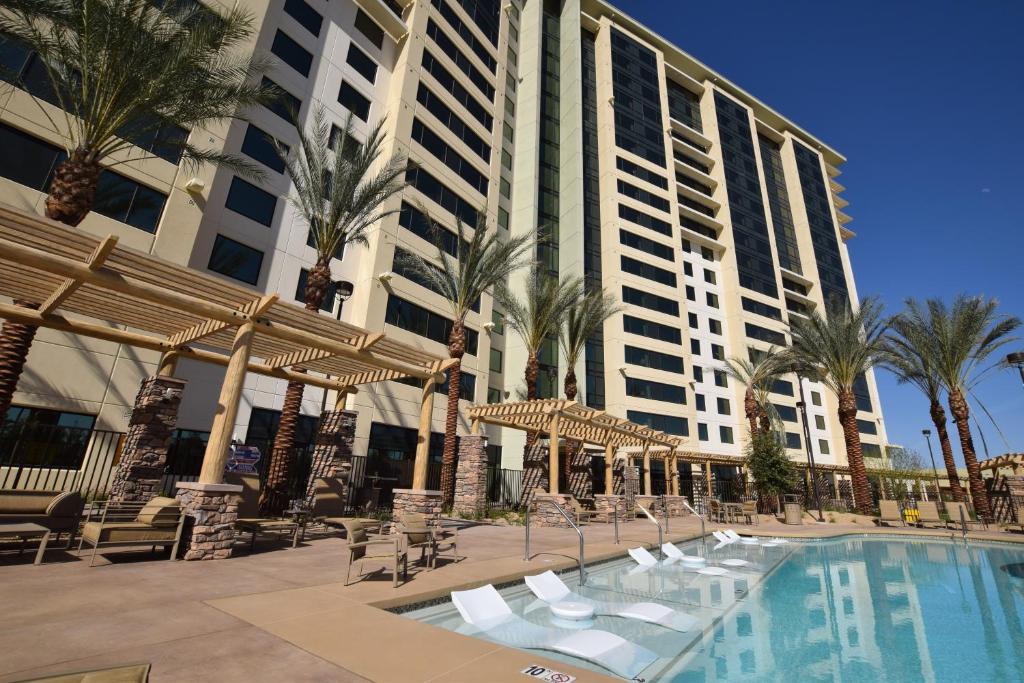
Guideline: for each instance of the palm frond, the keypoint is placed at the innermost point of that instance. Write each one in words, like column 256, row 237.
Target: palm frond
column 583, row 320
column 538, row 314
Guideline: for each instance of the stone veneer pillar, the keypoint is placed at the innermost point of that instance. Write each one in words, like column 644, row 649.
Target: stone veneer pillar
column 425, row 502
column 471, row 477
column 210, row 513
column 144, row 456
column 535, row 470
column 605, row 505
column 676, row 506
column 544, row 514
column 332, row 452
column 581, row 475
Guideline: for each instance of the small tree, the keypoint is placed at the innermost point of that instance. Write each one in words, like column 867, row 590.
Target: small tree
column 900, row 467
column 771, row 468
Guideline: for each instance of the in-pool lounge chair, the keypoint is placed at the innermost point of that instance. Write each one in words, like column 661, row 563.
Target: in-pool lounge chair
column 644, row 558
column 722, row 538
column 249, row 519
column 928, row 513
column 485, row 609
column 889, row 513
column 744, row 540
column 551, row 589
column 696, row 561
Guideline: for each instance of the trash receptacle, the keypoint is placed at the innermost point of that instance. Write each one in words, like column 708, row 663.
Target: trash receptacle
column 793, row 512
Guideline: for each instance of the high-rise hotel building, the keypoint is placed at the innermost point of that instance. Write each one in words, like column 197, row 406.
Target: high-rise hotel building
column 711, row 216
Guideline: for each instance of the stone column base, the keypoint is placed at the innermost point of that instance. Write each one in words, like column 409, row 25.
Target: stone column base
column 471, row 477
column 676, row 506
column 544, row 513
column 427, row 503
column 210, row 513
column 647, row 501
column 605, row 505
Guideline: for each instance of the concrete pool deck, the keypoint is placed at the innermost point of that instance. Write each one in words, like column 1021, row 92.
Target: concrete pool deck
column 285, row 615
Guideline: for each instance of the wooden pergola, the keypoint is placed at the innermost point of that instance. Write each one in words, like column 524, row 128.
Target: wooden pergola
column 1012, row 460
column 169, row 308
column 561, row 418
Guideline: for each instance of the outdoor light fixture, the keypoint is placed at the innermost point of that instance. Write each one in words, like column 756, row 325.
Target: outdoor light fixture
column 928, row 437
column 489, row 327
column 1016, row 360
column 195, row 185
column 385, row 277
column 802, row 407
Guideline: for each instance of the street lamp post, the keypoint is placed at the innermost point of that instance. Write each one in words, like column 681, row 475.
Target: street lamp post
column 342, row 292
column 928, row 437
column 802, row 405
column 1016, row 360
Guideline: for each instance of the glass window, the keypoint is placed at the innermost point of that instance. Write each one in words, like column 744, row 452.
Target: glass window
column 250, row 201
column 707, row 254
column 454, row 86
column 712, row 300
column 725, row 434
column 444, row 153
column 695, row 347
column 291, row 53
column 700, row 402
column 721, row 379
column 670, row 424
column 39, row 436
column 369, row 28
column 436, row 106
column 630, row 214
column 259, row 145
column 301, row 12
column 502, row 218
column 649, row 246
column 484, row 15
column 654, row 302
column 723, row 406
column 867, row 427
column 646, row 270
column 692, row 317
column 823, row 446
column 426, row 323
column 653, row 359
column 702, row 431
column 467, row 386
column 495, row 365
column 127, row 201
column 652, row 330
column 793, row 440
column 871, row 450
column 787, row 413
column 715, row 326
column 235, row 260
column 718, row 352
column 691, row 293
column 328, row 302
column 286, row 105
column 698, row 373
column 464, row 63
column 655, row 391
column 493, row 395
column 27, row 160
column 815, row 398
column 819, row 422
column 688, row 269
column 709, row 276
column 361, row 62
column 499, row 322
column 354, row 101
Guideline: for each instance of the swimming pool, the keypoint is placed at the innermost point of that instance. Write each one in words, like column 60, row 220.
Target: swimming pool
column 853, row 609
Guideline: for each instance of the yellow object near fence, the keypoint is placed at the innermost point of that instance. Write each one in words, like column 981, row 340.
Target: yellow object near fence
column 911, row 515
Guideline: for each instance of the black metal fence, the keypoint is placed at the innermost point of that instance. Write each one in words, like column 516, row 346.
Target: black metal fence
column 53, row 457
column 504, row 488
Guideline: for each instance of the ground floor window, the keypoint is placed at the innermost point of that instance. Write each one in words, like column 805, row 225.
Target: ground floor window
column 43, row 437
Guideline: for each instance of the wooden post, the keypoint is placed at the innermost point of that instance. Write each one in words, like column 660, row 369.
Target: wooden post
column 835, row 484
column 553, row 455
column 609, row 454
column 341, row 401
column 419, row 468
column 707, row 479
column 219, row 441
column 647, row 469
column 474, row 427
column 668, row 475
column 168, row 365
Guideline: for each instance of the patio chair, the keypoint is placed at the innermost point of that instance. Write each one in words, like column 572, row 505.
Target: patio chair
column 716, row 511
column 132, row 673
column 929, row 514
column 953, row 509
column 889, row 512
column 249, row 520
column 486, row 611
column 435, row 539
column 552, row 590
column 749, row 512
column 581, row 514
column 363, row 549
column 329, row 505
column 115, row 523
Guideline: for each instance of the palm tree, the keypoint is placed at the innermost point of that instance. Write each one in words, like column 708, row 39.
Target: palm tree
column 120, row 71
column 965, row 335
column 582, row 321
column 839, row 349
column 913, row 358
column 339, row 197
column 481, row 263
column 757, row 374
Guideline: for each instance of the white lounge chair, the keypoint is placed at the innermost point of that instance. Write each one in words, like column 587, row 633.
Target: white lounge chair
column 722, row 539
column 745, row 540
column 485, row 609
column 648, row 561
column 551, row 589
column 675, row 553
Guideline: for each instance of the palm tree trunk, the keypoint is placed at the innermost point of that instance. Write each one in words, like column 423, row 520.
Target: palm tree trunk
column 73, row 188
column 275, row 493
column 961, row 415
column 939, row 420
column 15, row 342
column 571, row 445
column 854, row 454
column 750, row 409
column 532, row 370
column 449, row 461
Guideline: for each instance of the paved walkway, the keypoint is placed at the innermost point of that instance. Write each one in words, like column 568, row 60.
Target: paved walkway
column 283, row 614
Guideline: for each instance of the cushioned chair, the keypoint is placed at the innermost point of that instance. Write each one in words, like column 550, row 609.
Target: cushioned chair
column 889, row 513
column 58, row 511
column 329, row 505
column 249, row 520
column 115, row 523
column 430, row 538
column 581, row 514
column 749, row 512
column 134, row 673
column 362, row 549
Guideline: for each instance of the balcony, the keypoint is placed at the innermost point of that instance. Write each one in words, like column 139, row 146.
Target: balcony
column 688, row 149
column 692, row 169
column 693, row 195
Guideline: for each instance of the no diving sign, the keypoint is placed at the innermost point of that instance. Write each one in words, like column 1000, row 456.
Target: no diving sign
column 542, row 673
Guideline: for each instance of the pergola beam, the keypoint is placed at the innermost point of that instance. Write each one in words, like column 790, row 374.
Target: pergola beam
column 68, row 287
column 253, row 309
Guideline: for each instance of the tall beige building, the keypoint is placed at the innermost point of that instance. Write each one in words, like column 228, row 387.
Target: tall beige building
column 710, row 215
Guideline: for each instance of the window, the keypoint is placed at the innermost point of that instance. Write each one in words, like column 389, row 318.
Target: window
column 670, row 424
column 506, row 159
column 702, row 431
column 723, row 406
column 435, row 190
column 654, row 359
column 258, row 145
column 505, row 187
column 649, row 246
column 27, row 160
column 698, row 373
column 440, row 110
column 410, row 218
column 493, row 395
column 655, row 391
column 867, row 427
column 688, row 269
column 650, row 222
column 327, row 304
column 718, row 352
column 819, row 422
column 648, row 271
column 707, row 254
column 823, row 446
column 473, row 8
column 652, row 330
column 765, row 335
column 250, row 201
column 291, row 53
column 715, row 326
column 761, row 309
column 640, row 172
column 285, row 105
column 447, row 81
column 354, row 101
column 235, row 260
column 692, row 318
column 51, row 438
column 365, row 25
column 418, row 320
column 637, row 99
column 700, row 402
column 495, row 365
column 361, row 62
column 305, row 15
column 721, row 379
column 709, row 276
column 816, row 398
column 654, row 302
column 871, row 450
column 502, row 218
column 686, row 246
column 725, row 434
column 787, row 413
column 793, row 440
column 448, row 156
column 695, row 347
column 499, row 322
column 712, row 300
column 465, row 64
column 781, row 386
column 467, row 386
column 649, row 198
column 400, row 265
column 691, row 293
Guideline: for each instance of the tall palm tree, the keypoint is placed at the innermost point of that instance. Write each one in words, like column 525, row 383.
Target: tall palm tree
column 839, row 348
column 339, row 196
column 913, row 358
column 757, row 374
column 120, row 71
column 481, row 263
column 965, row 335
column 582, row 321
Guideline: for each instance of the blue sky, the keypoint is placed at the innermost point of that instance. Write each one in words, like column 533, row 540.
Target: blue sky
column 926, row 101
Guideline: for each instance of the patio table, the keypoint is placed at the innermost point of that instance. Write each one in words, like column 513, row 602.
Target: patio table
column 733, row 511
column 26, row 531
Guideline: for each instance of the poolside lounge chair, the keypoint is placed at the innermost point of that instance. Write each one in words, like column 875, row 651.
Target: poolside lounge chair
column 722, row 538
column 249, row 519
column 953, row 509
column 115, row 523
column 388, row 550
column 551, row 589
column 889, row 513
column 133, row 673
column 329, row 505
column 749, row 512
column 929, row 514
column 673, row 552
column 581, row 514
column 485, row 609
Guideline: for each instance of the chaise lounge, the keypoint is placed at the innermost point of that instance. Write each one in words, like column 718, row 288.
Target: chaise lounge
column 58, row 511
column 249, row 520
column 115, row 523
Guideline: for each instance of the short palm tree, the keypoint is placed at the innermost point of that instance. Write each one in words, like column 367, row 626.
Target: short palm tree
column 965, row 335
column 481, row 263
column 339, row 196
column 913, row 358
column 757, row 374
column 838, row 348
column 124, row 70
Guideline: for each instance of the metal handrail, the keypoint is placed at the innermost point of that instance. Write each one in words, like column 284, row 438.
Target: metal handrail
column 963, row 523
column 661, row 537
column 526, row 557
column 703, row 530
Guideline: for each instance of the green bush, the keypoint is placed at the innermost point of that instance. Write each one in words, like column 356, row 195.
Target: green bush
column 771, row 468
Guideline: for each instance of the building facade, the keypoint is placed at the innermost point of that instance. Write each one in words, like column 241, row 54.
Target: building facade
column 712, row 217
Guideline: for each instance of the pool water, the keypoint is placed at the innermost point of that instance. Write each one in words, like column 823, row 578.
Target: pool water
column 853, row 609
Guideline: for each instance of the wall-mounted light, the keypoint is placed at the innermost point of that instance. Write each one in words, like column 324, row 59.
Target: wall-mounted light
column 195, row 185
column 489, row 327
column 386, row 277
